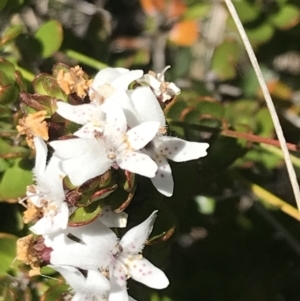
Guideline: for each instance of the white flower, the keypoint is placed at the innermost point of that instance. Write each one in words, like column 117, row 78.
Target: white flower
column 92, row 287
column 111, row 219
column 83, row 159
column 48, row 193
column 87, row 247
column 130, row 263
column 163, row 90
column 163, row 147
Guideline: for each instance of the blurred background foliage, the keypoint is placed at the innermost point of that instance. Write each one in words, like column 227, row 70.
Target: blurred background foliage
column 237, row 232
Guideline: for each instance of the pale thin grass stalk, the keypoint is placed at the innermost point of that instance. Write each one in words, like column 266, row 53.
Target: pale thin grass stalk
column 270, row 104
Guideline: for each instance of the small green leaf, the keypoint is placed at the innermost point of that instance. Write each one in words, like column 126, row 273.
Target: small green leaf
column 50, row 35
column 225, row 59
column 14, row 181
column 287, row 17
column 247, row 11
column 85, row 215
column 10, row 34
column 7, row 252
column 197, row 11
column 261, row 34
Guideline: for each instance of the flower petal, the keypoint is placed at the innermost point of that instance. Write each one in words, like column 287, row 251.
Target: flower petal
column 147, row 105
column 41, row 157
column 133, row 241
column 180, row 150
column 145, row 272
column 163, row 180
column 94, row 285
column 93, row 251
column 125, row 79
column 52, row 222
column 80, row 114
column 111, row 219
column 142, row 134
column 85, row 158
column 115, row 117
column 137, row 163
column 107, row 75
column 118, row 290
column 88, row 130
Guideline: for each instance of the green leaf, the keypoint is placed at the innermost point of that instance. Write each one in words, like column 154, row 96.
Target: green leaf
column 7, row 252
column 85, row 215
column 225, row 59
column 247, row 11
column 261, row 34
column 287, row 17
column 10, row 34
column 50, row 35
column 56, row 293
column 206, row 205
column 14, row 181
column 197, row 11
column 3, row 4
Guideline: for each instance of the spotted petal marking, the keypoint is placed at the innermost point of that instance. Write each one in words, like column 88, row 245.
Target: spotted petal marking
column 133, row 241
column 163, row 180
column 137, row 163
column 180, row 150
column 80, row 114
column 145, row 272
column 142, row 134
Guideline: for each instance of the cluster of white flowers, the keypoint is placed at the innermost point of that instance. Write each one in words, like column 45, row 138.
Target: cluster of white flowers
column 121, row 128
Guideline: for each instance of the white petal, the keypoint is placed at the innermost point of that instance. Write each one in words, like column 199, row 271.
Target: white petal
column 115, row 117
column 145, row 272
column 133, row 241
column 142, row 134
column 180, row 150
column 41, row 156
column 111, row 219
column 137, row 163
column 80, row 114
column 125, row 102
column 52, row 221
column 97, row 243
column 65, row 149
column 87, row 158
column 163, row 180
column 124, row 80
column 88, row 130
column 95, row 284
column 106, row 76
column 147, row 106
column 118, row 290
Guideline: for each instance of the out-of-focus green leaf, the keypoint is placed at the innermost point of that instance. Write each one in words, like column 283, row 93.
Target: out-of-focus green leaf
column 287, row 17
column 206, row 205
column 247, row 11
column 14, row 181
column 261, row 34
column 8, row 151
column 197, row 11
column 225, row 59
column 265, row 127
column 50, row 35
column 10, row 34
column 7, row 251
column 3, row 4
column 12, row 289
column 56, row 293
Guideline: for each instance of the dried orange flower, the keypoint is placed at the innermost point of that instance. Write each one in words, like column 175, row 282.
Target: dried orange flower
column 73, row 81
column 33, row 125
column 32, row 212
column 27, row 254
